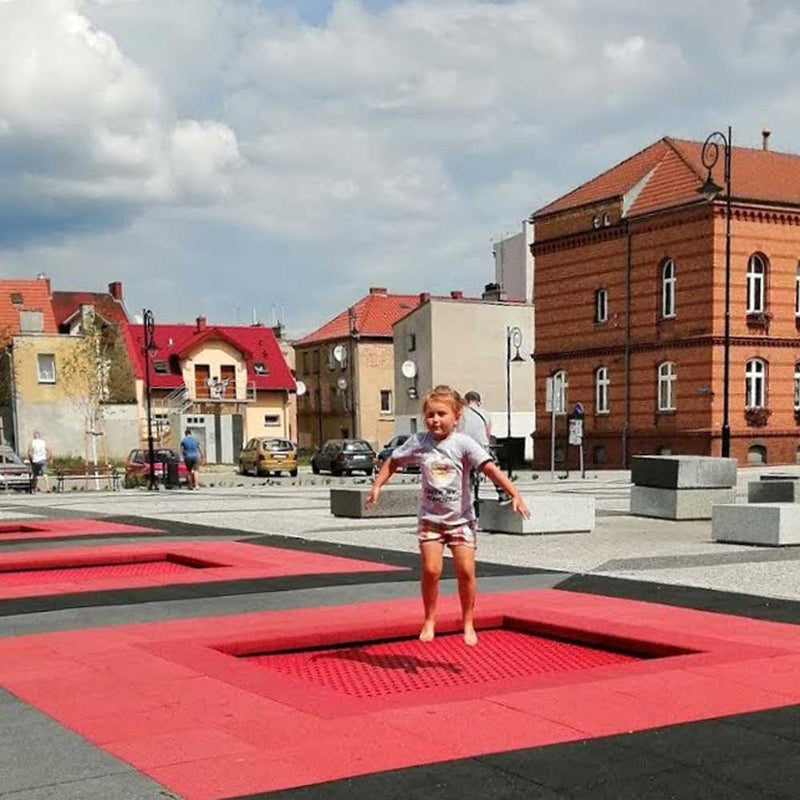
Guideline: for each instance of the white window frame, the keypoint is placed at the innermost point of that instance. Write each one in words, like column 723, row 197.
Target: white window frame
column 797, row 292
column 45, row 376
column 669, row 282
column 386, row 393
column 560, row 397
column 755, row 383
column 667, row 377
column 601, row 384
column 797, row 386
column 756, row 284
column 272, row 420
column 601, row 305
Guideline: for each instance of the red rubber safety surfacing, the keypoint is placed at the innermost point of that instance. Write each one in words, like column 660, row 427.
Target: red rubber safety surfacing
column 408, row 665
column 92, row 569
column 53, row 528
column 178, row 702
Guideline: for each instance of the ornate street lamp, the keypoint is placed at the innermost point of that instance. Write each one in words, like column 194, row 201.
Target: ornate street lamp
column 513, row 339
column 149, row 329
column 711, row 191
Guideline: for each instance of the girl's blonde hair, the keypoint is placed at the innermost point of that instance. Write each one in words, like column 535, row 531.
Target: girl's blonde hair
column 444, row 394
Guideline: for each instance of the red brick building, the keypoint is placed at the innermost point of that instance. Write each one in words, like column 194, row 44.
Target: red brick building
column 630, row 300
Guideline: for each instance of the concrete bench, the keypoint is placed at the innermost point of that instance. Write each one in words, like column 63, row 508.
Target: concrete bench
column 649, row 501
column 774, row 491
column 550, row 513
column 683, row 472
column 767, row 524
column 395, row 501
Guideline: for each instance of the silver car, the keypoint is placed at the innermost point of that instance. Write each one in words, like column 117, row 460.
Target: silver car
column 14, row 472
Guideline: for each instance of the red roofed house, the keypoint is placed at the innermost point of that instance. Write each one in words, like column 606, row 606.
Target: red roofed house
column 347, row 367
column 630, row 301
column 228, row 383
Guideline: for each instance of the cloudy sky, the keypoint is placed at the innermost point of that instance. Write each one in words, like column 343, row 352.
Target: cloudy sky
column 221, row 155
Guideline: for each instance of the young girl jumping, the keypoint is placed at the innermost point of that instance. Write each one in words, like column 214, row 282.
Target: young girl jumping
column 446, row 512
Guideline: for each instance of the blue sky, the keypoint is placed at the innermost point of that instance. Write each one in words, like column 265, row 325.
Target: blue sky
column 224, row 155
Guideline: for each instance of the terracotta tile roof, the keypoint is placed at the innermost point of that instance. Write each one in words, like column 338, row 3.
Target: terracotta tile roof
column 257, row 344
column 32, row 295
column 374, row 316
column 671, row 173
column 67, row 304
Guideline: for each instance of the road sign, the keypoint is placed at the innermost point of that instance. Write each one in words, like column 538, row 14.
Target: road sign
column 575, row 431
column 578, row 410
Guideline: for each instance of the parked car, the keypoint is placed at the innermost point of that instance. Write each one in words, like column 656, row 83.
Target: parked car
column 263, row 456
column 343, row 457
column 14, row 472
column 137, row 467
column 390, row 447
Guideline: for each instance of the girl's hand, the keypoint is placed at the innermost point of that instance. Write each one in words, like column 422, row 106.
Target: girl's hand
column 518, row 504
column 372, row 497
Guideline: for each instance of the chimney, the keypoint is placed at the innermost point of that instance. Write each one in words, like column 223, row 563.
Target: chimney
column 115, row 290
column 765, row 134
column 42, row 277
column 457, row 294
column 378, row 290
column 493, row 291
column 424, row 297
column 277, row 329
column 201, row 324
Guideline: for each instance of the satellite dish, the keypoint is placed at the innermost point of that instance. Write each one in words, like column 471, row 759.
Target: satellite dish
column 342, row 383
column 301, row 388
column 339, row 352
column 409, row 369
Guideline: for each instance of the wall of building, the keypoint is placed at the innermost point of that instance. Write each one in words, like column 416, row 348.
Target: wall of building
column 215, row 354
column 272, row 404
column 513, row 264
column 375, row 372
column 408, row 392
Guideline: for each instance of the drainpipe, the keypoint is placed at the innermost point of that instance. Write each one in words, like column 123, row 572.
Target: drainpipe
column 626, row 429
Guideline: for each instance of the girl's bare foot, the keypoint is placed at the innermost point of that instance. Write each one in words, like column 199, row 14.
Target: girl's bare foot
column 470, row 637
column 427, row 632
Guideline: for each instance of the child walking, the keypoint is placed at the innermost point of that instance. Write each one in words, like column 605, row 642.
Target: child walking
column 446, row 511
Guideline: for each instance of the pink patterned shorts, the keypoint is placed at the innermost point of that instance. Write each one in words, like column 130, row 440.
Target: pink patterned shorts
column 451, row 535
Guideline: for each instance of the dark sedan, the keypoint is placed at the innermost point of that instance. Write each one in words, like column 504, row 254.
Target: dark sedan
column 344, row 457
column 390, row 447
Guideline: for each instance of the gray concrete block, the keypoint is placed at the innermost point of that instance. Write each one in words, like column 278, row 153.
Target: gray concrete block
column 775, row 491
column 395, row 501
column 683, row 472
column 550, row 513
column 649, row 501
column 767, row 524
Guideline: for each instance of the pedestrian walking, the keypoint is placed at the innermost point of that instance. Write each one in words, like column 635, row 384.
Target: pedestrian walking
column 38, row 455
column 193, row 457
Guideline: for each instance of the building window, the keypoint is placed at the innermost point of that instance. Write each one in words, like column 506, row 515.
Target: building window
column 601, row 390
column 271, row 420
column 160, row 366
column 260, row 368
column 797, row 386
column 757, row 454
column 46, row 367
column 756, row 279
column 668, row 284
column 412, row 342
column 601, row 305
column 599, row 454
column 16, row 298
column 559, row 399
column 31, row 321
column 331, row 358
column 386, row 401
column 755, row 383
column 797, row 293
column 666, row 386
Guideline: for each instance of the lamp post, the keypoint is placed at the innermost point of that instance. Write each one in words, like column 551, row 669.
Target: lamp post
column 149, row 329
column 513, row 339
column 711, row 191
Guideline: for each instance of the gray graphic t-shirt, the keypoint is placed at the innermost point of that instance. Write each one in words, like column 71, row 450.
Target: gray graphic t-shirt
column 444, row 466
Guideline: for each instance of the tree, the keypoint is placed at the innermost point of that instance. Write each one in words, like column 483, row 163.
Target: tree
column 97, row 372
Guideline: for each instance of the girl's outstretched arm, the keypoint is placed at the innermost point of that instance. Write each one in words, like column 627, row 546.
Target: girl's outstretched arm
column 498, row 478
column 388, row 468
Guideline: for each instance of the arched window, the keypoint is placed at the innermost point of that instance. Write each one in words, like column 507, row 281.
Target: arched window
column 601, row 305
column 601, row 391
column 755, row 383
column 757, row 454
column 756, row 281
column 668, row 283
column 666, row 386
column 797, row 386
column 559, row 399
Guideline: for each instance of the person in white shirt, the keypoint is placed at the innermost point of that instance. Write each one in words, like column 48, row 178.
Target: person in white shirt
column 476, row 424
column 39, row 454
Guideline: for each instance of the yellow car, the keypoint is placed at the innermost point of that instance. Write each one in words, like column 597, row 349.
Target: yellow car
column 263, row 456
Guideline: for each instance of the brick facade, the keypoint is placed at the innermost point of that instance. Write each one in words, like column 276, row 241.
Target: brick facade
column 575, row 257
